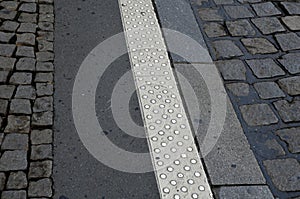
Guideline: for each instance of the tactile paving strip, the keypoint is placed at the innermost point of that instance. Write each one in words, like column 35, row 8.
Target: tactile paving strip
column 178, row 168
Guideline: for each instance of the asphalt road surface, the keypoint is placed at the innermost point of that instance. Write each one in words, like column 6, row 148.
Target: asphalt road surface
column 79, row 28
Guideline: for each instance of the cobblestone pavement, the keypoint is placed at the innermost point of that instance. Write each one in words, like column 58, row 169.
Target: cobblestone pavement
column 26, row 98
column 256, row 46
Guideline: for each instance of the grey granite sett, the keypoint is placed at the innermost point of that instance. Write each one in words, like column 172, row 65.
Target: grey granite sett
column 45, row 8
column 268, row 90
column 41, row 152
column 292, row 7
column 6, row 37
column 213, row 29
column 268, row 25
column 27, row 27
column 258, row 114
column 292, row 22
column 232, row 69
column 238, row 12
column 28, row 7
column 240, row 28
column 43, row 89
column 41, row 169
column 13, row 160
column 7, row 14
column 17, row 180
column 44, row 66
column 44, row 77
column 27, row 18
column 3, row 76
column 259, row 46
column 40, row 188
column 3, row 107
column 288, row 111
column 26, row 39
column 43, row 104
column 17, row 124
column 290, row 85
column 26, row 64
column 25, row 92
column 2, row 181
column 7, row 49
column 25, row 51
column 20, row 106
column 49, row 36
column 291, row 62
column 7, row 63
column 10, row 5
column 266, row 9
column 285, row 173
column 292, row 137
column 47, row 26
column 46, row 18
column 265, row 68
column 41, row 136
column 238, row 89
column 266, row 146
column 45, row 45
column 42, row 119
column 21, row 78
column 15, row 141
column 288, row 41
column 9, row 26
column 275, row 147
column 6, row 91
column 44, row 56
column 226, row 49
column 16, row 194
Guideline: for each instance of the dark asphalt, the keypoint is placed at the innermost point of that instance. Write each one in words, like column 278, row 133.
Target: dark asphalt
column 80, row 26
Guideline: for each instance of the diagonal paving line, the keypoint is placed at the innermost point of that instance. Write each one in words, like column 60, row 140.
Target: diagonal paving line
column 178, row 168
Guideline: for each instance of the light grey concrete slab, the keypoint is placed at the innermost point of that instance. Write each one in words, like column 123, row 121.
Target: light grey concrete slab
column 178, row 15
column 231, row 161
column 243, row 192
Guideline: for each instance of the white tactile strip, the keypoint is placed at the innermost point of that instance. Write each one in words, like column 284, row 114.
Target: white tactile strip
column 178, row 168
